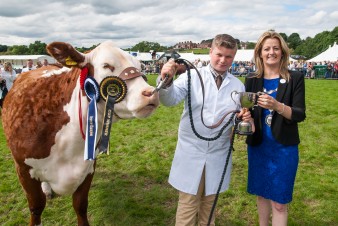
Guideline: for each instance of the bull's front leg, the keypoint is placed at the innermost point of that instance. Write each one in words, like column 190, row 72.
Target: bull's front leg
column 35, row 197
column 80, row 201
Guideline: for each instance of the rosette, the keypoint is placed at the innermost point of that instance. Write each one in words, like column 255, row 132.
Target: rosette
column 91, row 88
column 114, row 87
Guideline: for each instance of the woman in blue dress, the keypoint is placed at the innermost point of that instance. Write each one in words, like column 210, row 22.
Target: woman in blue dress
column 273, row 147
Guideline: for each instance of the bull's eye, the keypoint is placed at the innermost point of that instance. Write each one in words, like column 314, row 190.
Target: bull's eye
column 108, row 66
column 145, row 78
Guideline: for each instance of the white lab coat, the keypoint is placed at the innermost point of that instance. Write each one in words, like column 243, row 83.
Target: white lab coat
column 192, row 153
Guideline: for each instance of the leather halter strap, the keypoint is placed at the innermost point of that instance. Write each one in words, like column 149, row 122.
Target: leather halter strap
column 129, row 73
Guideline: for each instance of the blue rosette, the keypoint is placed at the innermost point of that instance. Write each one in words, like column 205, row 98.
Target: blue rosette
column 91, row 88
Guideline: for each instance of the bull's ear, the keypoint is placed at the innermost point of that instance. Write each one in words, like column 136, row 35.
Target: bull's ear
column 65, row 54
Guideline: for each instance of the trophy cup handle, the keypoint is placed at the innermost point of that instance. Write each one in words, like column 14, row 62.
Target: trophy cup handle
column 256, row 98
column 232, row 96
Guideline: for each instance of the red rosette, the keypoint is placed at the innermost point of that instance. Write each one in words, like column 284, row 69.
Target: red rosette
column 83, row 76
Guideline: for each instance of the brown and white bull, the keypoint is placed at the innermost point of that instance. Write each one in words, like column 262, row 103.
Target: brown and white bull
column 44, row 115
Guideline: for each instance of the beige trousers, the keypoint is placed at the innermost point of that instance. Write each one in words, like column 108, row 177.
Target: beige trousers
column 195, row 207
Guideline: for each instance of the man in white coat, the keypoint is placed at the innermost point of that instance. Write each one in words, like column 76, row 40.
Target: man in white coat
column 198, row 164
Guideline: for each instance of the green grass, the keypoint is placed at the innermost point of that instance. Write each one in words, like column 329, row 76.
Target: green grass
column 130, row 185
column 195, row 51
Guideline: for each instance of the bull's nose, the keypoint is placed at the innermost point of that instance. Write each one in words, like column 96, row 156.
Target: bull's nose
column 147, row 93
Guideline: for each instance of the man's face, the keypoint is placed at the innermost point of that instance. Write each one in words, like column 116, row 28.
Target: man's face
column 29, row 64
column 221, row 58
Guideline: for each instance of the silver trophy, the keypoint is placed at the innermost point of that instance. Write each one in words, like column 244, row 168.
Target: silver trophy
column 245, row 100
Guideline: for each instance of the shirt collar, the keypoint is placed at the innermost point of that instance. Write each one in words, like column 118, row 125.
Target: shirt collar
column 215, row 73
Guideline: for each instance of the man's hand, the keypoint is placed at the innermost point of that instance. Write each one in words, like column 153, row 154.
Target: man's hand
column 169, row 69
column 245, row 115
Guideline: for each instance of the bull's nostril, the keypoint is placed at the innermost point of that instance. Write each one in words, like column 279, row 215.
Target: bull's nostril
column 146, row 93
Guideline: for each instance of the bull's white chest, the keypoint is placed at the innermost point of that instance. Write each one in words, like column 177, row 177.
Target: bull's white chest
column 65, row 168
column 64, row 174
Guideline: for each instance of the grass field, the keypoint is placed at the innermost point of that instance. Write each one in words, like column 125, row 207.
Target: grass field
column 130, row 185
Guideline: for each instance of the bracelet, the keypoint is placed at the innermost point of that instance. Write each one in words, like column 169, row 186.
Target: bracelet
column 281, row 112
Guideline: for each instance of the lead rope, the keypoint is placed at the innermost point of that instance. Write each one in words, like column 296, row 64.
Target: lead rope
column 223, row 174
column 190, row 108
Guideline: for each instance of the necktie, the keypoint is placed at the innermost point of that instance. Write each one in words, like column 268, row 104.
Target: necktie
column 219, row 81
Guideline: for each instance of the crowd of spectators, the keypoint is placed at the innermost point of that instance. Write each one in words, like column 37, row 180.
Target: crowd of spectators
column 8, row 75
column 326, row 69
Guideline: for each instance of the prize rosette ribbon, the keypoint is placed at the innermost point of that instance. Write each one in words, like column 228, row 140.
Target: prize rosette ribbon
column 91, row 88
column 112, row 89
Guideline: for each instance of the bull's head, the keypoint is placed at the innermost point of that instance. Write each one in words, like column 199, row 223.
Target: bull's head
column 107, row 60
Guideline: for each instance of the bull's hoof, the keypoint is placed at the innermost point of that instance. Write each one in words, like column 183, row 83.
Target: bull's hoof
column 49, row 196
column 47, row 190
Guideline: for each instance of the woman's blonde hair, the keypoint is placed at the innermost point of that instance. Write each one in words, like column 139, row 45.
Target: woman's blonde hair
column 283, row 68
column 7, row 65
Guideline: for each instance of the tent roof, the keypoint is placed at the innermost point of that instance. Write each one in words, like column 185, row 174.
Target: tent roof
column 241, row 55
column 25, row 57
column 331, row 54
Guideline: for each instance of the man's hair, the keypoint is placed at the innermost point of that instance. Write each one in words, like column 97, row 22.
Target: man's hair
column 224, row 40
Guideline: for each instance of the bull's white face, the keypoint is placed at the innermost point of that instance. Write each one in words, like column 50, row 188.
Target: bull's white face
column 109, row 60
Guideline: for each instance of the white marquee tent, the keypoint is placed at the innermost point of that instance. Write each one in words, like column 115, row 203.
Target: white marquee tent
column 331, row 54
column 241, row 55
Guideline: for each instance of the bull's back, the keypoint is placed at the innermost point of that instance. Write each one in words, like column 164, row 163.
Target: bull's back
column 33, row 111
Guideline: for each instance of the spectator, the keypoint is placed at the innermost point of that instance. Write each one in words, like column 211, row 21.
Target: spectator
column 199, row 63
column 38, row 64
column 310, row 70
column 29, row 66
column 335, row 69
column 9, row 75
column 305, row 68
column 45, row 62
column 7, row 78
column 329, row 70
column 1, row 66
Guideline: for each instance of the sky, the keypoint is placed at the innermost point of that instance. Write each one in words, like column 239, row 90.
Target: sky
column 128, row 22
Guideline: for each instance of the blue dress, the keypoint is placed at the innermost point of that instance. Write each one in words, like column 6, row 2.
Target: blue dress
column 272, row 166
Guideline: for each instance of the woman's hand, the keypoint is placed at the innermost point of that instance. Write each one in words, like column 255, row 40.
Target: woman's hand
column 267, row 102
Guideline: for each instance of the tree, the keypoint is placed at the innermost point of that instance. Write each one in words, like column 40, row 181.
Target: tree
column 294, row 41
column 311, row 47
column 37, row 48
column 18, row 50
column 250, row 45
column 145, row 46
column 85, row 49
column 334, row 34
column 3, row 48
column 284, row 36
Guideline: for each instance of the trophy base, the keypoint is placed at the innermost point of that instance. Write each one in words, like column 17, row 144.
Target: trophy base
column 244, row 132
column 244, row 128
